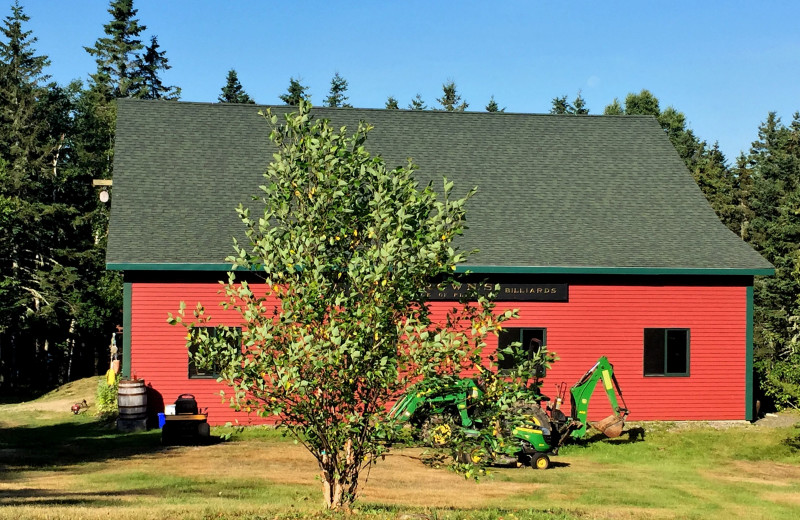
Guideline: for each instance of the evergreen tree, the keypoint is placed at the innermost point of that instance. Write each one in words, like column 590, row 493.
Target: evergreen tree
column 560, row 105
column 417, row 103
column 149, row 65
column 336, row 96
column 774, row 230
column 295, row 93
column 579, row 105
column 233, row 92
column 22, row 75
column 391, row 103
column 614, row 109
column 492, row 106
column 451, row 99
column 47, row 246
column 643, row 103
column 116, row 53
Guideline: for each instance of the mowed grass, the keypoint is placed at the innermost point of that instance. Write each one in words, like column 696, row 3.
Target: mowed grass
column 57, row 465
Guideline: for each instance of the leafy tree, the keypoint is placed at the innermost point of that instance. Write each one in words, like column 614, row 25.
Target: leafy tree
column 336, row 97
column 233, row 92
column 149, row 66
column 451, row 99
column 417, row 103
column 348, row 248
column 492, row 106
column 116, row 53
column 295, row 93
column 391, row 103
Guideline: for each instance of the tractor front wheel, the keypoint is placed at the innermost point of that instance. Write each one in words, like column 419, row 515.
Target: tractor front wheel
column 540, row 461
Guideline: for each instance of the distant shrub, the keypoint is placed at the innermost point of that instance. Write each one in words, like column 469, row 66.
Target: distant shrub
column 106, row 399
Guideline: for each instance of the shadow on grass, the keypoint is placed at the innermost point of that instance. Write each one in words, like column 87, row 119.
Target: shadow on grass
column 68, row 443
column 46, row 497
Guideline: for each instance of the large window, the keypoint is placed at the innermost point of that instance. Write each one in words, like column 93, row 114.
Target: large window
column 666, row 352
column 531, row 339
column 206, row 372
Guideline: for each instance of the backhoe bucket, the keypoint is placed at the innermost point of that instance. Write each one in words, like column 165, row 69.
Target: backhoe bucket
column 611, row 426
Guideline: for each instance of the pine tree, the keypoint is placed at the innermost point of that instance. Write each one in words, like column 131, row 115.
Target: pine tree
column 492, row 106
column 579, row 105
column 643, row 103
column 336, row 96
column 774, row 230
column 116, row 54
column 451, row 99
column 149, row 65
column 22, row 75
column 45, row 201
column 391, row 103
column 417, row 103
column 295, row 93
column 560, row 105
column 614, row 109
column 233, row 92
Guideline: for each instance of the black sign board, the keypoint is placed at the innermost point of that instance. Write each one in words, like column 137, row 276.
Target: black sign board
column 517, row 292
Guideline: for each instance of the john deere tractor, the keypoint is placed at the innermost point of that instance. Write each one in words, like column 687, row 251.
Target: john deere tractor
column 537, row 433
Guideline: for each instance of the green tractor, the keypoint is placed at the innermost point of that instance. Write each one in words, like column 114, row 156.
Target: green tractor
column 542, row 427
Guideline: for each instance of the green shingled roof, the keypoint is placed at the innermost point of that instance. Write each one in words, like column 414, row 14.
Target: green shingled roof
column 556, row 193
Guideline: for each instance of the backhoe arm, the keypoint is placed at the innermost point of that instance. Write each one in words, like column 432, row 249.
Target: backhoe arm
column 582, row 392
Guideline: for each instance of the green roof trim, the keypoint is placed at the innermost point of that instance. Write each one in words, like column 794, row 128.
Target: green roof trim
column 556, row 193
column 500, row 269
column 166, row 267
column 484, row 269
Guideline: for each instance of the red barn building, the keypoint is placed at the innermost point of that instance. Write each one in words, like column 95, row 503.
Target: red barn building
column 592, row 225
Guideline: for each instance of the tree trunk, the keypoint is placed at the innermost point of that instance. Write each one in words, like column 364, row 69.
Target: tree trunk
column 339, row 487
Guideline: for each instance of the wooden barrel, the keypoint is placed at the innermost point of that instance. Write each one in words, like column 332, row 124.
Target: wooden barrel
column 132, row 400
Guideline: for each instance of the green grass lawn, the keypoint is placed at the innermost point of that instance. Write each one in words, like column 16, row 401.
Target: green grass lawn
column 57, row 465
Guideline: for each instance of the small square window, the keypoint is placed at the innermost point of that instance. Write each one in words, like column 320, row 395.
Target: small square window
column 196, row 372
column 666, row 352
column 531, row 339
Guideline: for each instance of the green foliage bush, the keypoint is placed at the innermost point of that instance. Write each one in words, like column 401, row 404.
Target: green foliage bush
column 106, row 399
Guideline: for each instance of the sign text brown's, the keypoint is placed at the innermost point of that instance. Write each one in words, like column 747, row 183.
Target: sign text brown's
column 546, row 292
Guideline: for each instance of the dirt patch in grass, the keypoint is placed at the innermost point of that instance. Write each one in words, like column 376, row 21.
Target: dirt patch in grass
column 780, row 419
column 758, row 473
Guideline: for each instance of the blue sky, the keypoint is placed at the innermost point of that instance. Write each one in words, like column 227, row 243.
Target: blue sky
column 725, row 64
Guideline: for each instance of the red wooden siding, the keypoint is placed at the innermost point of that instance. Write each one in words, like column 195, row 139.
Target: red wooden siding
column 597, row 320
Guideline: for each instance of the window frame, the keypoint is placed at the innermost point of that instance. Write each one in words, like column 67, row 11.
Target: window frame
column 665, row 331
column 192, row 348
column 521, row 332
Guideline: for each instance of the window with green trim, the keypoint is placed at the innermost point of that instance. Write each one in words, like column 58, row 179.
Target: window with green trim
column 666, row 352
column 206, row 372
column 531, row 339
